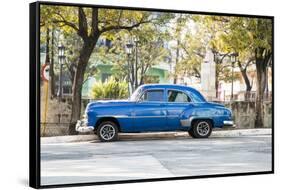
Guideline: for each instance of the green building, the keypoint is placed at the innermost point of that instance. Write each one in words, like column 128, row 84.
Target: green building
column 156, row 73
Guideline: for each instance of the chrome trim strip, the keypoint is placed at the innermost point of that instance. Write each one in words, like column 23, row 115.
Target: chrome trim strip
column 156, row 116
column 173, row 116
column 186, row 122
column 126, row 116
column 116, row 116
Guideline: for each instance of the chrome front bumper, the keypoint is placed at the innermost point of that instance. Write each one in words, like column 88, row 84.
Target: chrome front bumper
column 186, row 122
column 82, row 127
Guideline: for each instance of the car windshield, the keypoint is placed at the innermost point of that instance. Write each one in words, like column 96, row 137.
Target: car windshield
column 135, row 95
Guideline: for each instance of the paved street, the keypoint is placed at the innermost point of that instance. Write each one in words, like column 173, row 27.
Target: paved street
column 138, row 159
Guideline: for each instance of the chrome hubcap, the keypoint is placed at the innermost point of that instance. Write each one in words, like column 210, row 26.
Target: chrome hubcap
column 107, row 132
column 203, row 128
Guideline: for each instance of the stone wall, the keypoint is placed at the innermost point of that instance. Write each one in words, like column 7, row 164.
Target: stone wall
column 57, row 115
column 244, row 113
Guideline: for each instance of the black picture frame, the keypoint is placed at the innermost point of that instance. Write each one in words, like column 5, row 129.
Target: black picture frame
column 34, row 94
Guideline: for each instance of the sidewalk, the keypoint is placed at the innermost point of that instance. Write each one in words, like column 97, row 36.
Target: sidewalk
column 156, row 135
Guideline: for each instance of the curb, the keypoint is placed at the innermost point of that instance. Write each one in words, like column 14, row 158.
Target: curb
column 242, row 132
column 156, row 135
column 68, row 139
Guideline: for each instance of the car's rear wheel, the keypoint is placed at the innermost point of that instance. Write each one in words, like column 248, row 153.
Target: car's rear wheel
column 107, row 131
column 202, row 128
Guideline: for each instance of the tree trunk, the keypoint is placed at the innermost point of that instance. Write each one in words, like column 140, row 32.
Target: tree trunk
column 266, row 84
column 47, row 59
column 141, row 79
column 89, row 43
column 217, row 87
column 52, row 74
column 84, row 57
column 136, row 67
column 246, row 80
column 262, row 59
column 260, row 93
column 217, row 81
column 133, row 76
column 176, row 63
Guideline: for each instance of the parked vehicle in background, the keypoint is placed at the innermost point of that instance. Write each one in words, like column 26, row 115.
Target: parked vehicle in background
column 155, row 107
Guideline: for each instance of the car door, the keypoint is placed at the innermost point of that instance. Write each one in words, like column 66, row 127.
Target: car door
column 149, row 112
column 177, row 102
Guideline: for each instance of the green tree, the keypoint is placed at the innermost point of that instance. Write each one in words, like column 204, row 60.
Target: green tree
column 200, row 33
column 151, row 51
column 217, row 30
column 252, row 37
column 193, row 47
column 178, row 26
column 133, row 68
column 89, row 24
column 227, row 43
column 47, row 37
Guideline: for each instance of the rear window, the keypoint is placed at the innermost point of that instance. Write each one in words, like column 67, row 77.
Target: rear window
column 177, row 96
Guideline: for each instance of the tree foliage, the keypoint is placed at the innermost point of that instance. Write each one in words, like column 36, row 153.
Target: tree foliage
column 252, row 39
column 110, row 89
column 89, row 24
column 184, row 37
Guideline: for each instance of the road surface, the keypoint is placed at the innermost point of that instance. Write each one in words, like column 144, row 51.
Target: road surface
column 82, row 162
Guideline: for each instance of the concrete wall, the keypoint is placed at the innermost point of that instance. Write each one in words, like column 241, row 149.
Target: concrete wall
column 244, row 113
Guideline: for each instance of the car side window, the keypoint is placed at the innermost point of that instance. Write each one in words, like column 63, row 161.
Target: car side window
column 153, row 95
column 177, row 96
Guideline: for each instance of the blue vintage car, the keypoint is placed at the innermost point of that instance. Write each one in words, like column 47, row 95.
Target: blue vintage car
column 155, row 107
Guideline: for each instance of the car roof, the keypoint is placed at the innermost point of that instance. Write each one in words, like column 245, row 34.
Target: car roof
column 176, row 87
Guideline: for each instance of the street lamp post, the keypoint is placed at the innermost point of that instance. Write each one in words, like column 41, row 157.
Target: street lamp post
column 129, row 48
column 136, row 40
column 233, row 57
column 61, row 58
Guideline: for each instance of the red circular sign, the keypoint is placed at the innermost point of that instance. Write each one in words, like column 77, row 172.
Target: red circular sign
column 45, row 73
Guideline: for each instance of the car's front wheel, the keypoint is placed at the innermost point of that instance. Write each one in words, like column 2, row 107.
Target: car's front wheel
column 202, row 129
column 107, row 131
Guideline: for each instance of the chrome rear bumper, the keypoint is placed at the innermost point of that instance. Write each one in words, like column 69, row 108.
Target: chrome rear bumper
column 228, row 123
